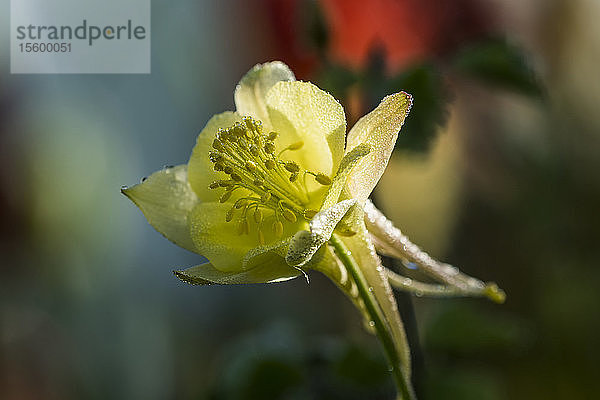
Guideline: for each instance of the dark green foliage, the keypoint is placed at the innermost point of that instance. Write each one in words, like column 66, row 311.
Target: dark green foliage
column 269, row 378
column 281, row 363
column 464, row 383
column 493, row 62
column 424, row 82
column 498, row 63
column 336, row 80
column 316, row 25
column 429, row 112
column 360, row 368
column 463, row 328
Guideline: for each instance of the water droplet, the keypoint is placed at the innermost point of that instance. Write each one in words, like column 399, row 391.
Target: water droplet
column 143, row 179
column 450, row 270
column 407, row 281
column 371, row 324
column 411, row 265
column 371, row 289
column 167, row 167
column 124, row 187
column 419, row 293
column 476, row 283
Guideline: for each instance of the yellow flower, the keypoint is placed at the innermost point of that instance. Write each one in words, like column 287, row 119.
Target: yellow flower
column 277, row 188
column 258, row 176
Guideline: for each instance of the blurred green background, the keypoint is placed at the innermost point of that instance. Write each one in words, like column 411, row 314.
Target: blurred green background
column 496, row 171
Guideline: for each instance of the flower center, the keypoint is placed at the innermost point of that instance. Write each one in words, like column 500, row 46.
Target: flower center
column 278, row 191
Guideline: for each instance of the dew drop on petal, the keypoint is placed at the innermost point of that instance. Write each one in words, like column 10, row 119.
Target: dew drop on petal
column 450, row 270
column 411, row 265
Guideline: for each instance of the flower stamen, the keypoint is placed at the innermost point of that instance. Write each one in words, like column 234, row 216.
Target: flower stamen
column 248, row 156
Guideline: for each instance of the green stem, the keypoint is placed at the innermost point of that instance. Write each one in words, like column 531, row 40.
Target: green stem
column 380, row 324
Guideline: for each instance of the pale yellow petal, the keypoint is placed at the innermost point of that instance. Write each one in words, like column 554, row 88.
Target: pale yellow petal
column 166, row 199
column 219, row 241
column 343, row 172
column 250, row 93
column 207, row 274
column 379, row 130
column 300, row 111
column 265, row 253
column 200, row 168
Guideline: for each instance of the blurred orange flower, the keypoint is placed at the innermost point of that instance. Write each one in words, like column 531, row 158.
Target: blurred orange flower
column 406, row 30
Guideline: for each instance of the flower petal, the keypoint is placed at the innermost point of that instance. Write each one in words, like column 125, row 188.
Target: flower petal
column 300, row 111
column 378, row 129
column 218, row 240
column 261, row 254
column 206, row 274
column 341, row 177
column 250, row 93
column 200, row 168
column 166, row 199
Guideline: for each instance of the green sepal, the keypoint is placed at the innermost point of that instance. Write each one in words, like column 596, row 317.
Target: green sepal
column 166, row 199
column 305, row 244
column 206, row 274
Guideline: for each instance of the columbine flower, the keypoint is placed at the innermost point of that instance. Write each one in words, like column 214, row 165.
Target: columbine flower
column 277, row 188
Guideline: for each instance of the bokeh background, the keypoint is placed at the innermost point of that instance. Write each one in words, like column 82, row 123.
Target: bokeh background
column 496, row 171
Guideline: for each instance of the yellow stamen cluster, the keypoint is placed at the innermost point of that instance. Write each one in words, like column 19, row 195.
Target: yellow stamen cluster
column 247, row 155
